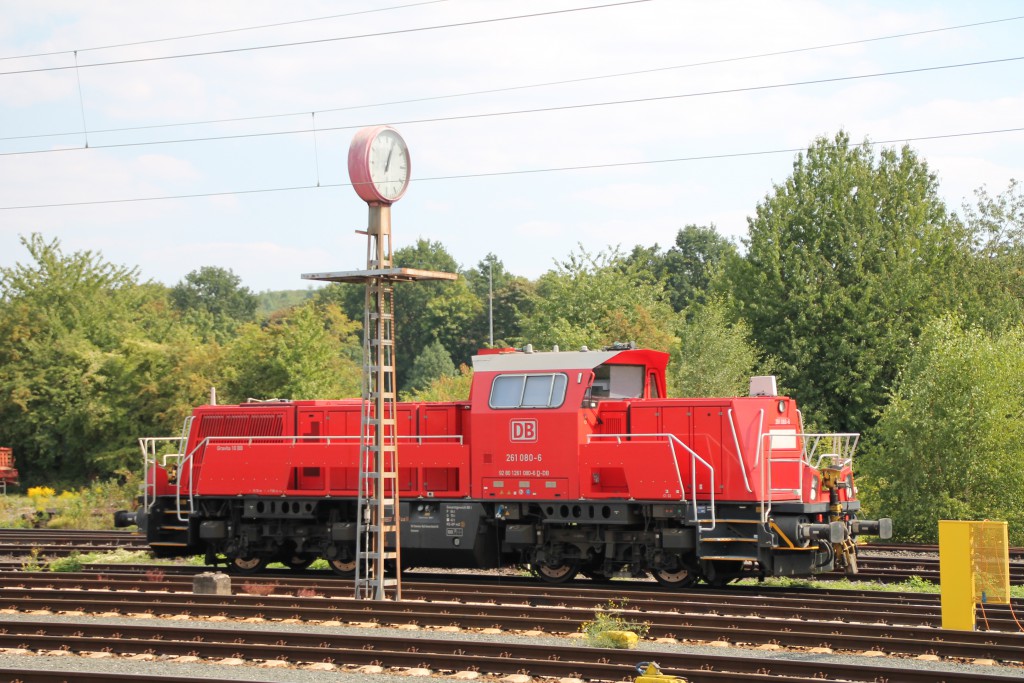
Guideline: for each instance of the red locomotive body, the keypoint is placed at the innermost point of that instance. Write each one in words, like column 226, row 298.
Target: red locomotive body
column 8, row 473
column 568, row 462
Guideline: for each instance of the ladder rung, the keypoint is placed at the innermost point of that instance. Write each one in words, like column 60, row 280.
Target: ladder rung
column 728, row 540
column 730, row 557
column 386, row 555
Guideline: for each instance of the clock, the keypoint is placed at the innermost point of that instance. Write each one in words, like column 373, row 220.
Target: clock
column 378, row 164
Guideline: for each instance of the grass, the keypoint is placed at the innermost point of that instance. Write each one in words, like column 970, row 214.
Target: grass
column 915, row 584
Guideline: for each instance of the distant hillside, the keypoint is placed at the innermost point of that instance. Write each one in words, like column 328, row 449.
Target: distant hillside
column 268, row 302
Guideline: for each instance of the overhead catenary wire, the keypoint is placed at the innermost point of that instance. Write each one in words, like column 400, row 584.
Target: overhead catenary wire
column 538, row 110
column 318, row 41
column 222, row 32
column 491, row 91
column 491, row 174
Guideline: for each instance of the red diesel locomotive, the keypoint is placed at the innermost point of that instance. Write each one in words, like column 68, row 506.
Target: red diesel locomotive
column 567, row 462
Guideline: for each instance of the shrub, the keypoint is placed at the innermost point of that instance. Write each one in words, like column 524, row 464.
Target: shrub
column 93, row 506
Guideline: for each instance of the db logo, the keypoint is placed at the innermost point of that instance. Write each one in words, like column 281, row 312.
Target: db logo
column 523, row 430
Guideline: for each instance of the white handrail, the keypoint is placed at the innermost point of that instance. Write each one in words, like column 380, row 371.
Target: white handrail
column 694, row 458
column 149, row 445
column 844, row 442
column 739, row 452
column 760, row 434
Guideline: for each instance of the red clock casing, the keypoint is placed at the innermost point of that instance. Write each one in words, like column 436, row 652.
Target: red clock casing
column 359, row 166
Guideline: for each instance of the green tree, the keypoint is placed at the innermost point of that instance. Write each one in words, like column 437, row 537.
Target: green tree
column 687, row 268
column 90, row 360
column 432, row 363
column 310, row 353
column 447, row 387
column 997, row 229
column 846, row 261
column 424, row 311
column 714, row 357
column 950, row 442
column 596, row 299
column 514, row 301
column 214, row 298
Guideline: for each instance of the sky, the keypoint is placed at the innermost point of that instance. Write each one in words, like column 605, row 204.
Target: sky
column 682, row 112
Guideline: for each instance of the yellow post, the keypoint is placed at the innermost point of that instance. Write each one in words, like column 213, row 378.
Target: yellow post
column 956, row 574
column 974, row 567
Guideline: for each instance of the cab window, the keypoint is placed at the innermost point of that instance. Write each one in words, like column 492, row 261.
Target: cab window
column 618, row 381
column 528, row 391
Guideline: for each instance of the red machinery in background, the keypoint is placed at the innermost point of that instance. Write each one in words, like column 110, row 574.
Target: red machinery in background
column 569, row 462
column 8, row 473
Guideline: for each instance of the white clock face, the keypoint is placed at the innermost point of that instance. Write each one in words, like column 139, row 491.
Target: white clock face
column 389, row 164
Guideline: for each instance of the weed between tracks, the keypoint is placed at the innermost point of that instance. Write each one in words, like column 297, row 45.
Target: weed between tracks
column 608, row 619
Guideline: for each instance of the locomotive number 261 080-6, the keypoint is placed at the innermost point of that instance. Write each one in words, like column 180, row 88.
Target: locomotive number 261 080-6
column 524, row 457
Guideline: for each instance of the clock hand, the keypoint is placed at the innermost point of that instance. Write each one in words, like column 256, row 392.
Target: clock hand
column 387, row 163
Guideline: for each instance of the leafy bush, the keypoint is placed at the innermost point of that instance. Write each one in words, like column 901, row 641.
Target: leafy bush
column 93, row 507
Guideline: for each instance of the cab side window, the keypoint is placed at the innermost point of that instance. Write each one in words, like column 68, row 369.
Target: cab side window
column 528, row 391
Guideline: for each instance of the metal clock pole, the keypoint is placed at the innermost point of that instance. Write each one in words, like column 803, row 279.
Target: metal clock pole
column 378, row 508
column 379, row 168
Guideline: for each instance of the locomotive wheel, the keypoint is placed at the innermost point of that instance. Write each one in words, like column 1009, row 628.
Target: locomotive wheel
column 681, row 577
column 560, row 573
column 346, row 568
column 247, row 565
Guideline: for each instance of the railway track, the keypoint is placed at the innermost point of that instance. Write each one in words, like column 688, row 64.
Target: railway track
column 1016, row 552
column 883, row 563
column 899, row 625
column 896, row 624
column 449, row 655
column 52, row 543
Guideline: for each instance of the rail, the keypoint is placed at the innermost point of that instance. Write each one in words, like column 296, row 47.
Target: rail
column 673, row 440
column 834, row 449
column 180, row 460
